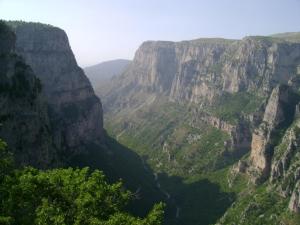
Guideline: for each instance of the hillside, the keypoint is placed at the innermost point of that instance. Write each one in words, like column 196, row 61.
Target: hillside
column 102, row 72
column 50, row 116
column 210, row 112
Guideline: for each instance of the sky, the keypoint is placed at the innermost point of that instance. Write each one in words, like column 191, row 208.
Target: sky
column 101, row 30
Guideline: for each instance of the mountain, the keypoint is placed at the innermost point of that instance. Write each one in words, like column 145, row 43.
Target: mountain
column 214, row 112
column 100, row 73
column 51, row 118
column 209, row 126
column 24, row 118
column 75, row 111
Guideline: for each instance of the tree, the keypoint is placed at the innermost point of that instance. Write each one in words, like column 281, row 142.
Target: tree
column 65, row 197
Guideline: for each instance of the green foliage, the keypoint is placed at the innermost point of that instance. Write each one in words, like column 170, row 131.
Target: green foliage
column 289, row 36
column 258, row 206
column 168, row 124
column 216, row 68
column 230, row 107
column 6, row 161
column 65, row 197
column 188, row 163
column 17, row 23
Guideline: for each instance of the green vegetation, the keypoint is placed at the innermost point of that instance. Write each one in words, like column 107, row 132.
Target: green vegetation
column 216, row 68
column 64, row 197
column 16, row 23
column 165, row 135
column 118, row 162
column 222, row 41
column 260, row 206
column 289, row 36
column 230, row 107
column 189, row 157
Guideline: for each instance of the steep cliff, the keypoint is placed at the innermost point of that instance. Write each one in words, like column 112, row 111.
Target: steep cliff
column 278, row 115
column 227, row 82
column 200, row 70
column 24, row 120
column 74, row 110
column 50, row 116
column 274, row 166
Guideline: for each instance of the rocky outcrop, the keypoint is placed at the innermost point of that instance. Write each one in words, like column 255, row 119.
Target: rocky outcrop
column 284, row 154
column 278, row 114
column 294, row 204
column 240, row 136
column 24, row 120
column 285, row 170
column 74, row 110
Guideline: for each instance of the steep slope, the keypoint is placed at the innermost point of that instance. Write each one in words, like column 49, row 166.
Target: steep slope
column 75, row 111
column 194, row 108
column 276, row 199
column 54, row 119
column 24, row 117
column 102, row 72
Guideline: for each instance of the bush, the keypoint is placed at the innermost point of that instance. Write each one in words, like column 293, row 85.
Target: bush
column 65, row 197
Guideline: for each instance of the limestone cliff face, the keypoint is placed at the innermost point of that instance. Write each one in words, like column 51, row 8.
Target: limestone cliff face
column 197, row 71
column 278, row 115
column 294, row 204
column 24, row 120
column 75, row 112
column 285, row 168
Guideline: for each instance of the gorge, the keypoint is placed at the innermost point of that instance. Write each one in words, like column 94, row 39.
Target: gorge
column 208, row 126
column 215, row 109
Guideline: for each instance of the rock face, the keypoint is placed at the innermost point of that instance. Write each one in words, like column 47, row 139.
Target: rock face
column 24, row 120
column 294, row 204
column 197, row 74
column 74, row 110
column 197, row 71
column 200, row 71
column 278, row 114
column 240, row 136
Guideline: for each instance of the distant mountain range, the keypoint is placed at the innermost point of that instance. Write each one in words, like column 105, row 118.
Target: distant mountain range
column 104, row 71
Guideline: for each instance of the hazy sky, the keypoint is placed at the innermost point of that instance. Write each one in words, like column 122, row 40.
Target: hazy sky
column 101, row 30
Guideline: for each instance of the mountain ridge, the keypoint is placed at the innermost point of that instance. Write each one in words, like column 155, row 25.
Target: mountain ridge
column 200, row 108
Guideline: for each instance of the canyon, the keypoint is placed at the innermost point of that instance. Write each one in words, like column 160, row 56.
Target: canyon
column 197, row 108
column 209, row 126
